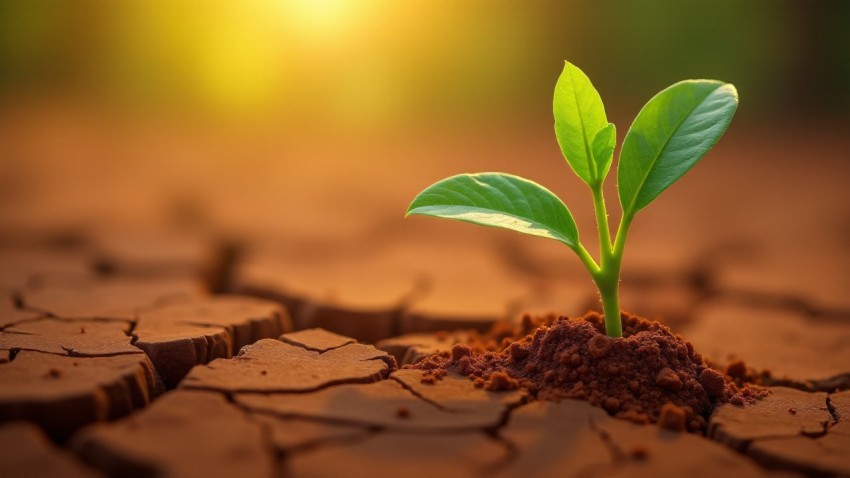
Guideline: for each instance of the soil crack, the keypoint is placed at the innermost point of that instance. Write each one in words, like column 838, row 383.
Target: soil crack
column 422, row 397
column 320, row 351
column 505, row 418
column 617, row 454
column 833, row 412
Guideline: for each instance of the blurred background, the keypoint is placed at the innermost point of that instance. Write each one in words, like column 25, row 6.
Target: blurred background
column 314, row 122
column 336, row 64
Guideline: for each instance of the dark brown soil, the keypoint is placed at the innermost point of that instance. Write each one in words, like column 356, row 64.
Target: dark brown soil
column 649, row 375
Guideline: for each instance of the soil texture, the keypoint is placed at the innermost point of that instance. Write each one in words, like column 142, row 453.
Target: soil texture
column 148, row 335
column 650, row 375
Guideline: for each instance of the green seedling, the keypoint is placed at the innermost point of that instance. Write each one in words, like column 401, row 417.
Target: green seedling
column 673, row 131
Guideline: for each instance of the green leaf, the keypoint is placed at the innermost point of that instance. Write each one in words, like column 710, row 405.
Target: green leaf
column 499, row 200
column 603, row 149
column 579, row 115
column 670, row 134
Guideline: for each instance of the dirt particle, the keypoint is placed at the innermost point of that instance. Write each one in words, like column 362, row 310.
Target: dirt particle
column 697, row 423
column 713, row 382
column 668, row 379
column 518, row 352
column 263, row 372
column 672, row 417
column 792, row 411
column 599, row 345
column 737, row 369
column 460, row 351
column 402, row 413
column 500, row 381
column 54, row 373
column 639, row 453
column 433, row 376
column 611, row 404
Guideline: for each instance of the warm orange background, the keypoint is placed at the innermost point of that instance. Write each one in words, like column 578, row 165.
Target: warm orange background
column 318, row 120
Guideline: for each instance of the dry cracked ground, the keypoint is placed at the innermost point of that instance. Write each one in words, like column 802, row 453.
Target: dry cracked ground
column 259, row 331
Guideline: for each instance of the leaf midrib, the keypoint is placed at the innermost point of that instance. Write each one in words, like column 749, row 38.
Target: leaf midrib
column 658, row 155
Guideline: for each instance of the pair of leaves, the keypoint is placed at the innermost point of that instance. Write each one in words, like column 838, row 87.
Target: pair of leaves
column 673, row 131
column 584, row 133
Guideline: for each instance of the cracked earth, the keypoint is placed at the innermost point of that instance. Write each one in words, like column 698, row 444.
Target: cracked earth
column 264, row 334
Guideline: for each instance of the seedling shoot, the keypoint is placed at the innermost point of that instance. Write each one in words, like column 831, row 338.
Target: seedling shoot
column 673, row 131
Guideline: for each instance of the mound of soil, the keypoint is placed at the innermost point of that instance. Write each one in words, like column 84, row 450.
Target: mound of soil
column 649, row 375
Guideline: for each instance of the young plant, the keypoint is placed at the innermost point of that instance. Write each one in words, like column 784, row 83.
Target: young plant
column 673, row 131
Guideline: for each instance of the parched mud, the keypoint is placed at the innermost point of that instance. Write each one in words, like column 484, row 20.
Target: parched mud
column 649, row 376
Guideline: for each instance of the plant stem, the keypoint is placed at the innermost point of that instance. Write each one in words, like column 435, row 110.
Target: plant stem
column 608, row 282
column 601, row 222
column 587, row 260
column 622, row 232
column 611, row 307
column 607, row 278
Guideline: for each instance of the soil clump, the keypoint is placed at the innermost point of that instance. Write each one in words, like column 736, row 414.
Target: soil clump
column 650, row 375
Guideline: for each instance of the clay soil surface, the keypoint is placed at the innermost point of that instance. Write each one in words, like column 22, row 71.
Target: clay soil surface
column 281, row 320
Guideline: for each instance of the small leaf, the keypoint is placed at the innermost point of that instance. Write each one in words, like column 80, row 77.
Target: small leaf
column 671, row 133
column 498, row 200
column 603, row 149
column 579, row 115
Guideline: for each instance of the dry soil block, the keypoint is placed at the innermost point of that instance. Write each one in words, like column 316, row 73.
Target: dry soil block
column 790, row 429
column 413, row 456
column 288, row 435
column 175, row 348
column 572, row 438
column 179, row 336
column 358, row 295
column 20, row 267
column 458, row 393
column 115, row 298
column 411, row 348
column 62, row 393
column 80, row 338
column 317, row 340
column 275, row 366
column 453, row 404
column 796, row 349
column 554, row 439
column 804, row 271
column 181, row 434
column 469, row 286
column 10, row 314
column 26, row 452
column 153, row 252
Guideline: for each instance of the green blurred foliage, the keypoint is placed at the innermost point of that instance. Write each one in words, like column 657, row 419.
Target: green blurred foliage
column 387, row 61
